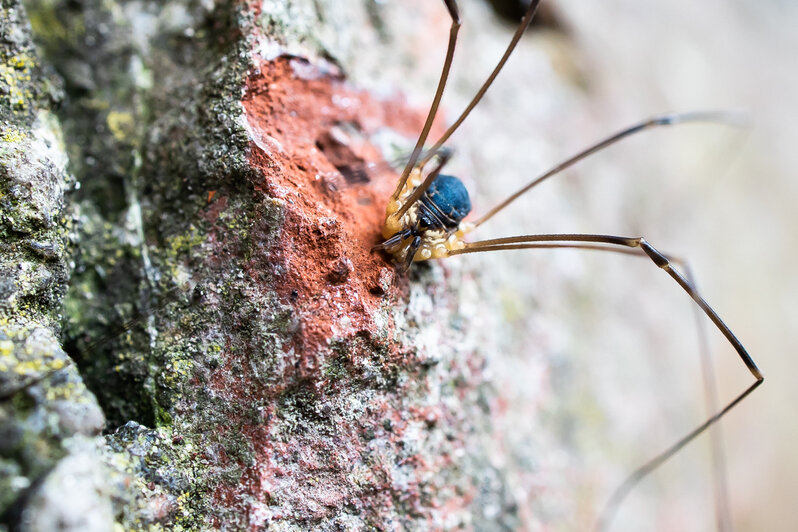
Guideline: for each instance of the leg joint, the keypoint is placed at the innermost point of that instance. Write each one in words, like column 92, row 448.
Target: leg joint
column 658, row 258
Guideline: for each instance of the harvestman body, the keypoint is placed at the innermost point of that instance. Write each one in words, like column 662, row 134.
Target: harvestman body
column 425, row 219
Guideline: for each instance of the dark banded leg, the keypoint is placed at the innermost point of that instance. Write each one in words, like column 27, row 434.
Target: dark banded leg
column 453, row 12
column 522, row 26
column 723, row 519
column 650, row 123
column 639, row 246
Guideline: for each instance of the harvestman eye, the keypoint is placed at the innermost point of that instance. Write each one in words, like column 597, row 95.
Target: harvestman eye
column 425, row 219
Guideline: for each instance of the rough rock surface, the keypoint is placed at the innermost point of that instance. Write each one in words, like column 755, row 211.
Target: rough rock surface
column 252, row 363
column 47, row 416
column 258, row 365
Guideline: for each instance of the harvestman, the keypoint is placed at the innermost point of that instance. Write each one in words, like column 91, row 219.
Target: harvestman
column 424, row 220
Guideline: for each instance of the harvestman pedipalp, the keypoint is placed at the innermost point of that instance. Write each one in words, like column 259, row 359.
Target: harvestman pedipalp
column 425, row 219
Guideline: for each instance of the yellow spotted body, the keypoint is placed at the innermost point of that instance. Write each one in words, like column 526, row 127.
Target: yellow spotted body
column 435, row 244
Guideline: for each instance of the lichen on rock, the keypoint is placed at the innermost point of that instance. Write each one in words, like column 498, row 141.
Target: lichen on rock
column 258, row 366
column 49, row 420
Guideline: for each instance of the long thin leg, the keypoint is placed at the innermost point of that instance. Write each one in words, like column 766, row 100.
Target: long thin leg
column 656, row 121
column 451, row 5
column 522, row 26
column 722, row 512
column 633, row 245
column 444, row 154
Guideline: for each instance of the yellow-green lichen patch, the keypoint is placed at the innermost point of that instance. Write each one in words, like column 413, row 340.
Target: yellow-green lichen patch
column 165, row 473
column 26, row 368
column 122, row 125
column 6, row 349
column 177, row 371
column 29, row 349
column 182, row 244
column 11, row 135
column 13, row 142
column 16, row 92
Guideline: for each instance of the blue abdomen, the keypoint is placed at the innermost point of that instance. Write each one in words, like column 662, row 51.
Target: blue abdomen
column 446, row 201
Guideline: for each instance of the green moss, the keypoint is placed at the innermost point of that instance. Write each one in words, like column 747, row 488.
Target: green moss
column 162, row 416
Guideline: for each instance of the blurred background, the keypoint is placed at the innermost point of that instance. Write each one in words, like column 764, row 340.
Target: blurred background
column 723, row 200
column 596, row 356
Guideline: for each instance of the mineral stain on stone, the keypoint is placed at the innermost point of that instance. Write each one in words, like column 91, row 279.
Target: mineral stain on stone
column 333, row 204
column 310, row 416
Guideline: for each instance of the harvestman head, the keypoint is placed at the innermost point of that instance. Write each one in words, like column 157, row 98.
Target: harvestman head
column 425, row 219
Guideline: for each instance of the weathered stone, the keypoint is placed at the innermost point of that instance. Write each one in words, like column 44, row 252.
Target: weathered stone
column 259, row 366
column 73, row 496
